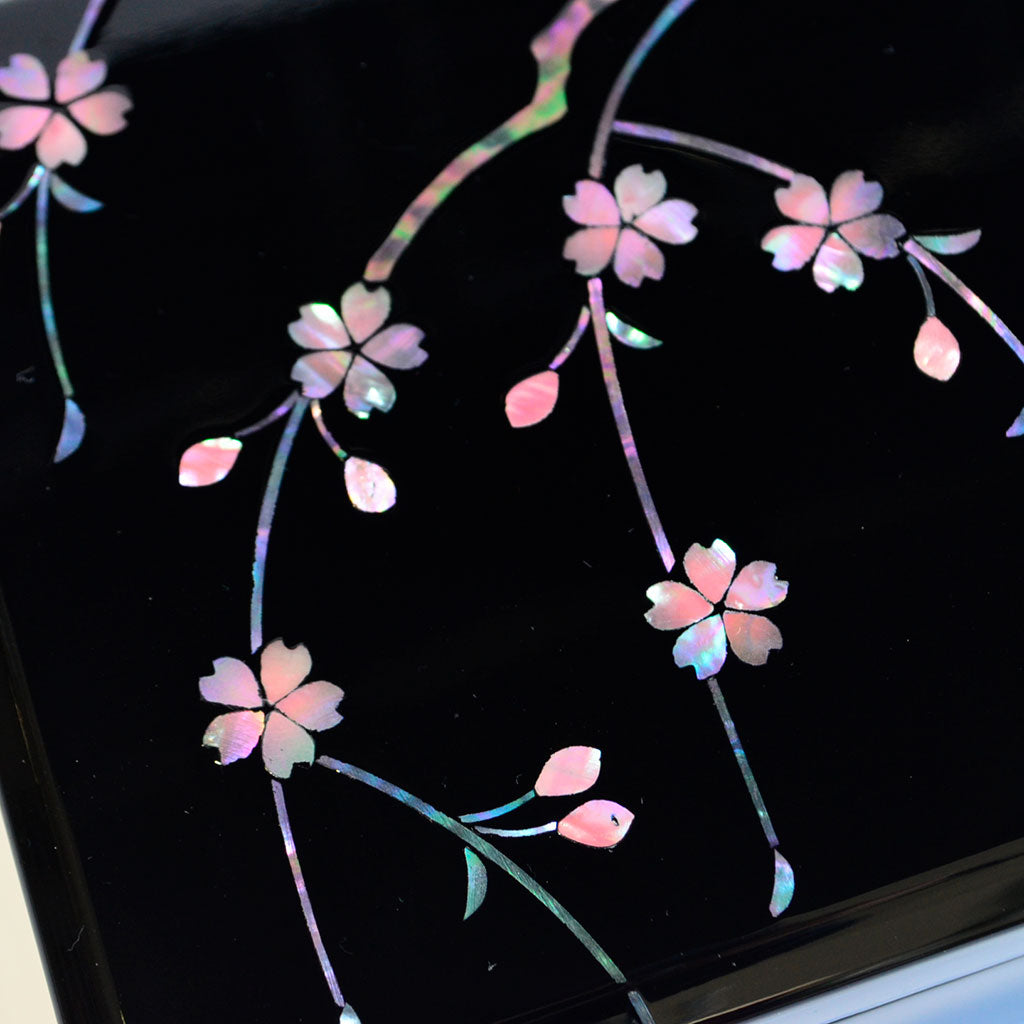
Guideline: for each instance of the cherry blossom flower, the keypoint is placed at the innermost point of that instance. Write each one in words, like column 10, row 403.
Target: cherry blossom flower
column 703, row 643
column 279, row 709
column 622, row 225
column 831, row 229
column 346, row 347
column 53, row 125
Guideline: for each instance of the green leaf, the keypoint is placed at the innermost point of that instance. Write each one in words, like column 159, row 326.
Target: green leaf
column 950, row 245
column 629, row 335
column 476, row 883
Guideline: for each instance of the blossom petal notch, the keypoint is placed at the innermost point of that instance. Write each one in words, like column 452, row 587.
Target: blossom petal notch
column 532, row 399
column 348, row 349
column 835, row 231
column 277, row 712
column 715, row 613
column 600, row 823
column 621, row 228
column 936, row 350
column 476, row 883
column 569, row 771
column 208, row 462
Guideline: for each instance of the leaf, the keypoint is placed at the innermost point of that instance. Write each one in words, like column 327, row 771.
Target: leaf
column 532, row 399
column 71, row 198
column 950, row 245
column 349, row 1015
column 476, row 883
column 208, row 462
column 936, row 351
column 782, row 890
column 629, row 335
column 369, row 487
column 71, row 432
column 1017, row 426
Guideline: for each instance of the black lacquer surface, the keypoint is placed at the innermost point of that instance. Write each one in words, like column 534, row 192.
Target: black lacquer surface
column 496, row 614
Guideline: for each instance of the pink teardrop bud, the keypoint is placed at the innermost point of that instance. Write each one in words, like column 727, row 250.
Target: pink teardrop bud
column 596, row 823
column 208, row 461
column 568, row 771
column 936, row 351
column 369, row 487
column 532, row 400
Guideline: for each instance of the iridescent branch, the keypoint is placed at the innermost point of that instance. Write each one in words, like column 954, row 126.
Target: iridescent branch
column 570, row 346
column 497, row 812
column 86, row 25
column 650, row 38
column 271, row 417
column 518, row 833
column 614, row 389
column 700, row 144
column 552, row 50
column 926, row 288
column 27, row 187
column 45, row 292
column 318, row 418
column 496, row 857
column 941, row 271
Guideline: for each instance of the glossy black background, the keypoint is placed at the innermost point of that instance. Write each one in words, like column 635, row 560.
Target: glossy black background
column 497, row 613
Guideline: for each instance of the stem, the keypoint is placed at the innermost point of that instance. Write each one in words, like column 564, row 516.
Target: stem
column 300, row 888
column 700, row 144
column 658, row 28
column 612, row 386
column 552, row 50
column 27, row 187
column 943, row 272
column 569, row 347
column 518, row 833
column 926, row 288
column 318, row 419
column 741, row 760
column 86, row 25
column 497, row 812
column 269, row 504
column 45, row 294
column 270, row 417
column 496, row 857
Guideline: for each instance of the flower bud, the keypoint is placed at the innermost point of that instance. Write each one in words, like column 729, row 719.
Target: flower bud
column 596, row 823
column 568, row 771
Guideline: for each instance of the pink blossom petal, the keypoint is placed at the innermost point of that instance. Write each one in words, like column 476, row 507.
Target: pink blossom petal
column 874, row 236
column 637, row 191
column 208, row 462
column 282, row 668
column 25, row 78
column 321, row 372
column 60, row 143
column 675, row 606
column 670, row 221
column 21, row 125
column 285, row 745
column 532, row 399
column 837, row 265
column 78, row 74
column 364, row 311
column 369, row 486
column 751, row 637
column 319, row 327
column 702, row 646
column 792, row 245
column 710, row 569
column 592, row 205
column 936, row 351
column 103, row 112
column 367, row 388
column 803, row 200
column 852, row 196
column 313, row 705
column 397, row 347
column 232, row 683
column 234, row 734
column 600, row 823
column 637, row 257
column 591, row 249
column 756, row 588
column 568, row 771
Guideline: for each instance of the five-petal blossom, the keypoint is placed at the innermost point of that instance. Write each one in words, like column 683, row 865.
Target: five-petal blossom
column 345, row 345
column 830, row 229
column 55, row 132
column 619, row 225
column 280, row 713
column 703, row 642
